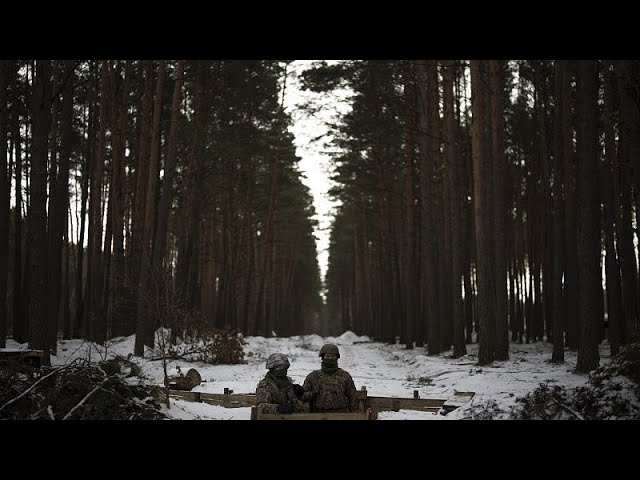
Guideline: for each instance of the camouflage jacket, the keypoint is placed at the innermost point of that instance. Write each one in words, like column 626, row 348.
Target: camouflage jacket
column 330, row 392
column 272, row 391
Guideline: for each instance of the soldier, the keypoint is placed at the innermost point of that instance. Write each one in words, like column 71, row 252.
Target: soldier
column 276, row 392
column 330, row 389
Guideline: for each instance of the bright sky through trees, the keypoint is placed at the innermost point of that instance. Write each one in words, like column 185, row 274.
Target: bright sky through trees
column 311, row 137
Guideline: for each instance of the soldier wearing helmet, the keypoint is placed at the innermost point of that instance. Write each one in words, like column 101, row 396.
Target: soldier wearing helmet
column 276, row 392
column 330, row 389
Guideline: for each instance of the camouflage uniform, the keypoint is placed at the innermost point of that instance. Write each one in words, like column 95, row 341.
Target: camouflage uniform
column 330, row 391
column 273, row 391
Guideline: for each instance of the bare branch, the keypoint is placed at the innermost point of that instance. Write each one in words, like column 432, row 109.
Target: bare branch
column 570, row 410
column 13, row 400
column 85, row 398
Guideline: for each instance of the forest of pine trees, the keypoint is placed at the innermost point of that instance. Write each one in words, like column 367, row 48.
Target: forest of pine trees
column 131, row 187
column 486, row 200
column 489, row 201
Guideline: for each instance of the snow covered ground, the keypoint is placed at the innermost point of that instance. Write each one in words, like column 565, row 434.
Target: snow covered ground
column 385, row 370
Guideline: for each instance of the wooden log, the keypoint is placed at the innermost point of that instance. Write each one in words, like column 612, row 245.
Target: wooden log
column 185, row 382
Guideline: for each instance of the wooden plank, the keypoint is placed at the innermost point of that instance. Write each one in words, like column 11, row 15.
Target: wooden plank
column 184, row 395
column 457, row 400
column 256, row 414
column 231, row 400
column 395, row 404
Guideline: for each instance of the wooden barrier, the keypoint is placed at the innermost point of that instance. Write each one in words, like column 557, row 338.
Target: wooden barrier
column 382, row 404
column 366, row 405
column 29, row 357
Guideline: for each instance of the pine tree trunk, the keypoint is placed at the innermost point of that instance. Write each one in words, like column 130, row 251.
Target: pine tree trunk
column 571, row 276
column 59, row 203
column 428, row 279
column 558, row 214
column 459, row 347
column 629, row 144
column 65, row 311
column 96, row 318
column 20, row 326
column 482, row 180
column 169, row 171
column 140, row 204
column 147, row 299
column 409, row 235
column 82, row 294
column 439, row 278
column 612, row 268
column 119, row 119
column 188, row 237
column 545, row 222
column 500, row 209
column 4, row 201
column 38, row 332
column 589, row 273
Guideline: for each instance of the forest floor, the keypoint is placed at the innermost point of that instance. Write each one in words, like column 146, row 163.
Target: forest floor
column 97, row 382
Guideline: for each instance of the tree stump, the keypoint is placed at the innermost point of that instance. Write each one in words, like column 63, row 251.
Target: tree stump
column 186, row 382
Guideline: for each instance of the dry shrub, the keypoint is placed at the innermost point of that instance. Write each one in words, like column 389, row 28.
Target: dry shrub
column 192, row 339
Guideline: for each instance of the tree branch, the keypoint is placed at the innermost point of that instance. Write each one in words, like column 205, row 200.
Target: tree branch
column 32, row 387
column 85, row 398
column 571, row 411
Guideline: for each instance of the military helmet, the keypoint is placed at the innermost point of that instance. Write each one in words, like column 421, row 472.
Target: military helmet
column 277, row 360
column 330, row 348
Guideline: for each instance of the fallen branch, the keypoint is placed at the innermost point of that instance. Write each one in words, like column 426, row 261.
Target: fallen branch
column 570, row 410
column 33, row 386
column 439, row 374
column 85, row 398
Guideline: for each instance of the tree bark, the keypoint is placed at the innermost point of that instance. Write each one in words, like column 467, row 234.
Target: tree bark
column 409, row 235
column 589, row 274
column 96, row 318
column 571, row 276
column 59, row 203
column 146, row 317
column 119, row 120
column 500, row 209
column 482, row 180
column 4, row 201
column 20, row 326
column 455, row 191
column 169, row 171
column 426, row 184
column 630, row 147
column 612, row 267
column 558, row 213
column 38, row 332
